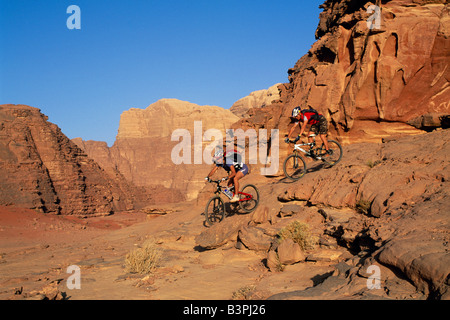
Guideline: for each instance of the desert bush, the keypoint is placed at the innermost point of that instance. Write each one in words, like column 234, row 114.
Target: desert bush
column 244, row 293
column 372, row 164
column 300, row 233
column 363, row 206
column 143, row 260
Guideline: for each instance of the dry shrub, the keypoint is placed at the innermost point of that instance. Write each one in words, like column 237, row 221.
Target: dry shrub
column 299, row 232
column 143, row 260
column 244, row 293
column 363, row 206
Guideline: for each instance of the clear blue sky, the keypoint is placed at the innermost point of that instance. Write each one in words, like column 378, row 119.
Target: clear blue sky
column 129, row 54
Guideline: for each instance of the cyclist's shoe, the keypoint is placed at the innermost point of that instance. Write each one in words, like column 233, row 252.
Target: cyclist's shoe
column 235, row 199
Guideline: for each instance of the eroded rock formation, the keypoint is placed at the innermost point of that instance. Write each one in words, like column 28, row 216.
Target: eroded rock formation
column 257, row 99
column 387, row 204
column 370, row 82
column 43, row 170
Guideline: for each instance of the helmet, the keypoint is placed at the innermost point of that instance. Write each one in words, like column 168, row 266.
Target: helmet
column 296, row 111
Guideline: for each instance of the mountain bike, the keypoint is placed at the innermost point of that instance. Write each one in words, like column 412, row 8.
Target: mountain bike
column 215, row 208
column 295, row 166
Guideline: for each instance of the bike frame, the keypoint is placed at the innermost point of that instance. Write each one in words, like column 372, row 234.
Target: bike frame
column 310, row 144
column 219, row 191
column 297, row 147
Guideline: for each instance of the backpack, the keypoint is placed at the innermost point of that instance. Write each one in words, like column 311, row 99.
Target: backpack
column 313, row 114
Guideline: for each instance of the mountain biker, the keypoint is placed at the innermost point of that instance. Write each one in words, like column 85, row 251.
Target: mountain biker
column 233, row 165
column 318, row 122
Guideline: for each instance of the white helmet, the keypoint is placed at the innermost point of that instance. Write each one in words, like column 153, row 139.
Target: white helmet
column 296, row 111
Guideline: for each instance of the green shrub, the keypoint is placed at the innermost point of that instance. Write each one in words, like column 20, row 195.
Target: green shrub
column 299, row 232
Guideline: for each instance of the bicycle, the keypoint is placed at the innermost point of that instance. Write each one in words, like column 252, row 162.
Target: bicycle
column 295, row 166
column 215, row 208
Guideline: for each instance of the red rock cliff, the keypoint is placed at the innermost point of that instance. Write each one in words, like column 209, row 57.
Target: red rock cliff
column 371, row 83
column 40, row 168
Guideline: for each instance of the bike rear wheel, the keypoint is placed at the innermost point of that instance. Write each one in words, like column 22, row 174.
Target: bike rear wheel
column 214, row 211
column 249, row 198
column 294, row 167
column 334, row 157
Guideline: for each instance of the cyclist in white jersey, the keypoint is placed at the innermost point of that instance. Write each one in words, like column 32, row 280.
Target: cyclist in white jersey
column 233, row 165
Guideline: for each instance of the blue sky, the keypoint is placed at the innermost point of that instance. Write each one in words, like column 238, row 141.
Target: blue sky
column 129, row 54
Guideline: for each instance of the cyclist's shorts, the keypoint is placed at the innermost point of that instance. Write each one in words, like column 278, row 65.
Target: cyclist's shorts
column 244, row 169
column 321, row 127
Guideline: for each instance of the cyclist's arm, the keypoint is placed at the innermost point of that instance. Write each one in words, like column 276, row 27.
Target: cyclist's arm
column 212, row 171
column 303, row 128
column 292, row 130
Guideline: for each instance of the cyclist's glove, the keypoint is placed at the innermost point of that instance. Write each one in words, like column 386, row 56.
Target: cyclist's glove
column 296, row 139
column 286, row 140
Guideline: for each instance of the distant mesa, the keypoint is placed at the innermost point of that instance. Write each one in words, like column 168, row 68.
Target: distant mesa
column 142, row 150
column 257, row 99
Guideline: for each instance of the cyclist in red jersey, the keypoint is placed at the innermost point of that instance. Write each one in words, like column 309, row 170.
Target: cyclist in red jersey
column 318, row 122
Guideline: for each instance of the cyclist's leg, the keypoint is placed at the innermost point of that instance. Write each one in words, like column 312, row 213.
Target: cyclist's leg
column 312, row 132
column 324, row 139
column 323, row 131
column 239, row 175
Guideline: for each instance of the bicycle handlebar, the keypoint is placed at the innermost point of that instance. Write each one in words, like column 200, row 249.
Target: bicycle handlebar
column 218, row 181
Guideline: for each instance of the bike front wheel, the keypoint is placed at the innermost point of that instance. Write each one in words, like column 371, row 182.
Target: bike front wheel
column 249, row 198
column 214, row 211
column 334, row 156
column 294, row 167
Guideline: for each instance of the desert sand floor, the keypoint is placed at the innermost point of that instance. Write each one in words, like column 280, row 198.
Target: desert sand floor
column 36, row 251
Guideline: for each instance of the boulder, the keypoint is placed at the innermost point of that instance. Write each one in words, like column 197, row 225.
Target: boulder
column 221, row 233
column 254, row 238
column 289, row 252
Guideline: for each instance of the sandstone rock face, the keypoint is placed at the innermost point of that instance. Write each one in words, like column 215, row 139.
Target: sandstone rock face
column 402, row 188
column 383, row 205
column 257, row 99
column 370, row 82
column 43, row 170
column 143, row 149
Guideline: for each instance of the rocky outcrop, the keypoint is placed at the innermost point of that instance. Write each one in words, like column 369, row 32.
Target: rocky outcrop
column 370, row 83
column 383, row 204
column 143, row 148
column 43, row 170
column 257, row 99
